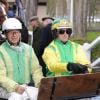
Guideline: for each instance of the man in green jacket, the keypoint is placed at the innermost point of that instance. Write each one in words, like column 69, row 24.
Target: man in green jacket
column 64, row 57
column 18, row 63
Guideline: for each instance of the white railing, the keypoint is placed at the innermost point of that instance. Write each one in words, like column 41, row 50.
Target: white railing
column 96, row 62
column 88, row 47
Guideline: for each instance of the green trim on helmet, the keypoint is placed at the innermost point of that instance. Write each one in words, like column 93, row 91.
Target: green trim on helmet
column 61, row 23
column 55, row 24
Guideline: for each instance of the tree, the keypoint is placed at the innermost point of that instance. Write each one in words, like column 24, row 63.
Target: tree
column 56, row 8
column 61, row 9
column 80, row 18
column 30, row 8
column 93, row 11
column 51, row 7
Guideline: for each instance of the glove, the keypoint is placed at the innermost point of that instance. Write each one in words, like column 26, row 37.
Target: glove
column 76, row 68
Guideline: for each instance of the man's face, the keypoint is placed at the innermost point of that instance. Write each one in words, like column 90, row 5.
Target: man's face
column 13, row 36
column 34, row 23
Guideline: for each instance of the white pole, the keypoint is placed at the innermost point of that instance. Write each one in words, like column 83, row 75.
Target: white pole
column 88, row 47
column 72, row 12
column 94, row 43
column 96, row 62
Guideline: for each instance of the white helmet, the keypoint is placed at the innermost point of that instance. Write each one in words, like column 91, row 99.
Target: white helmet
column 11, row 23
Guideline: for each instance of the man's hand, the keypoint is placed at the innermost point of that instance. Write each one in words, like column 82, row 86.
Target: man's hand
column 77, row 68
column 19, row 89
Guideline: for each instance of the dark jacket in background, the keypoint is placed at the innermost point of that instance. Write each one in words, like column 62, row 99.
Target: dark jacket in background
column 45, row 39
column 36, row 39
column 24, row 31
column 24, row 34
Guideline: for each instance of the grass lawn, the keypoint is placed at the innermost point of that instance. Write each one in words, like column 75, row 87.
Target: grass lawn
column 92, row 36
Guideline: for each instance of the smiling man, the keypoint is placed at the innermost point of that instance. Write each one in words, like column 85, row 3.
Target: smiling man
column 64, row 57
column 18, row 63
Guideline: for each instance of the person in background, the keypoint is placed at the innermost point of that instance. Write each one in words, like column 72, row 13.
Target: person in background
column 47, row 20
column 24, row 31
column 10, row 12
column 62, row 56
column 45, row 39
column 34, row 22
column 2, row 18
column 5, row 4
column 18, row 64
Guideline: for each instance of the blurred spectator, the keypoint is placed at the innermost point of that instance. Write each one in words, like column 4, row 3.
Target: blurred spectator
column 34, row 22
column 45, row 39
column 10, row 12
column 14, row 7
column 47, row 20
column 2, row 18
column 5, row 4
